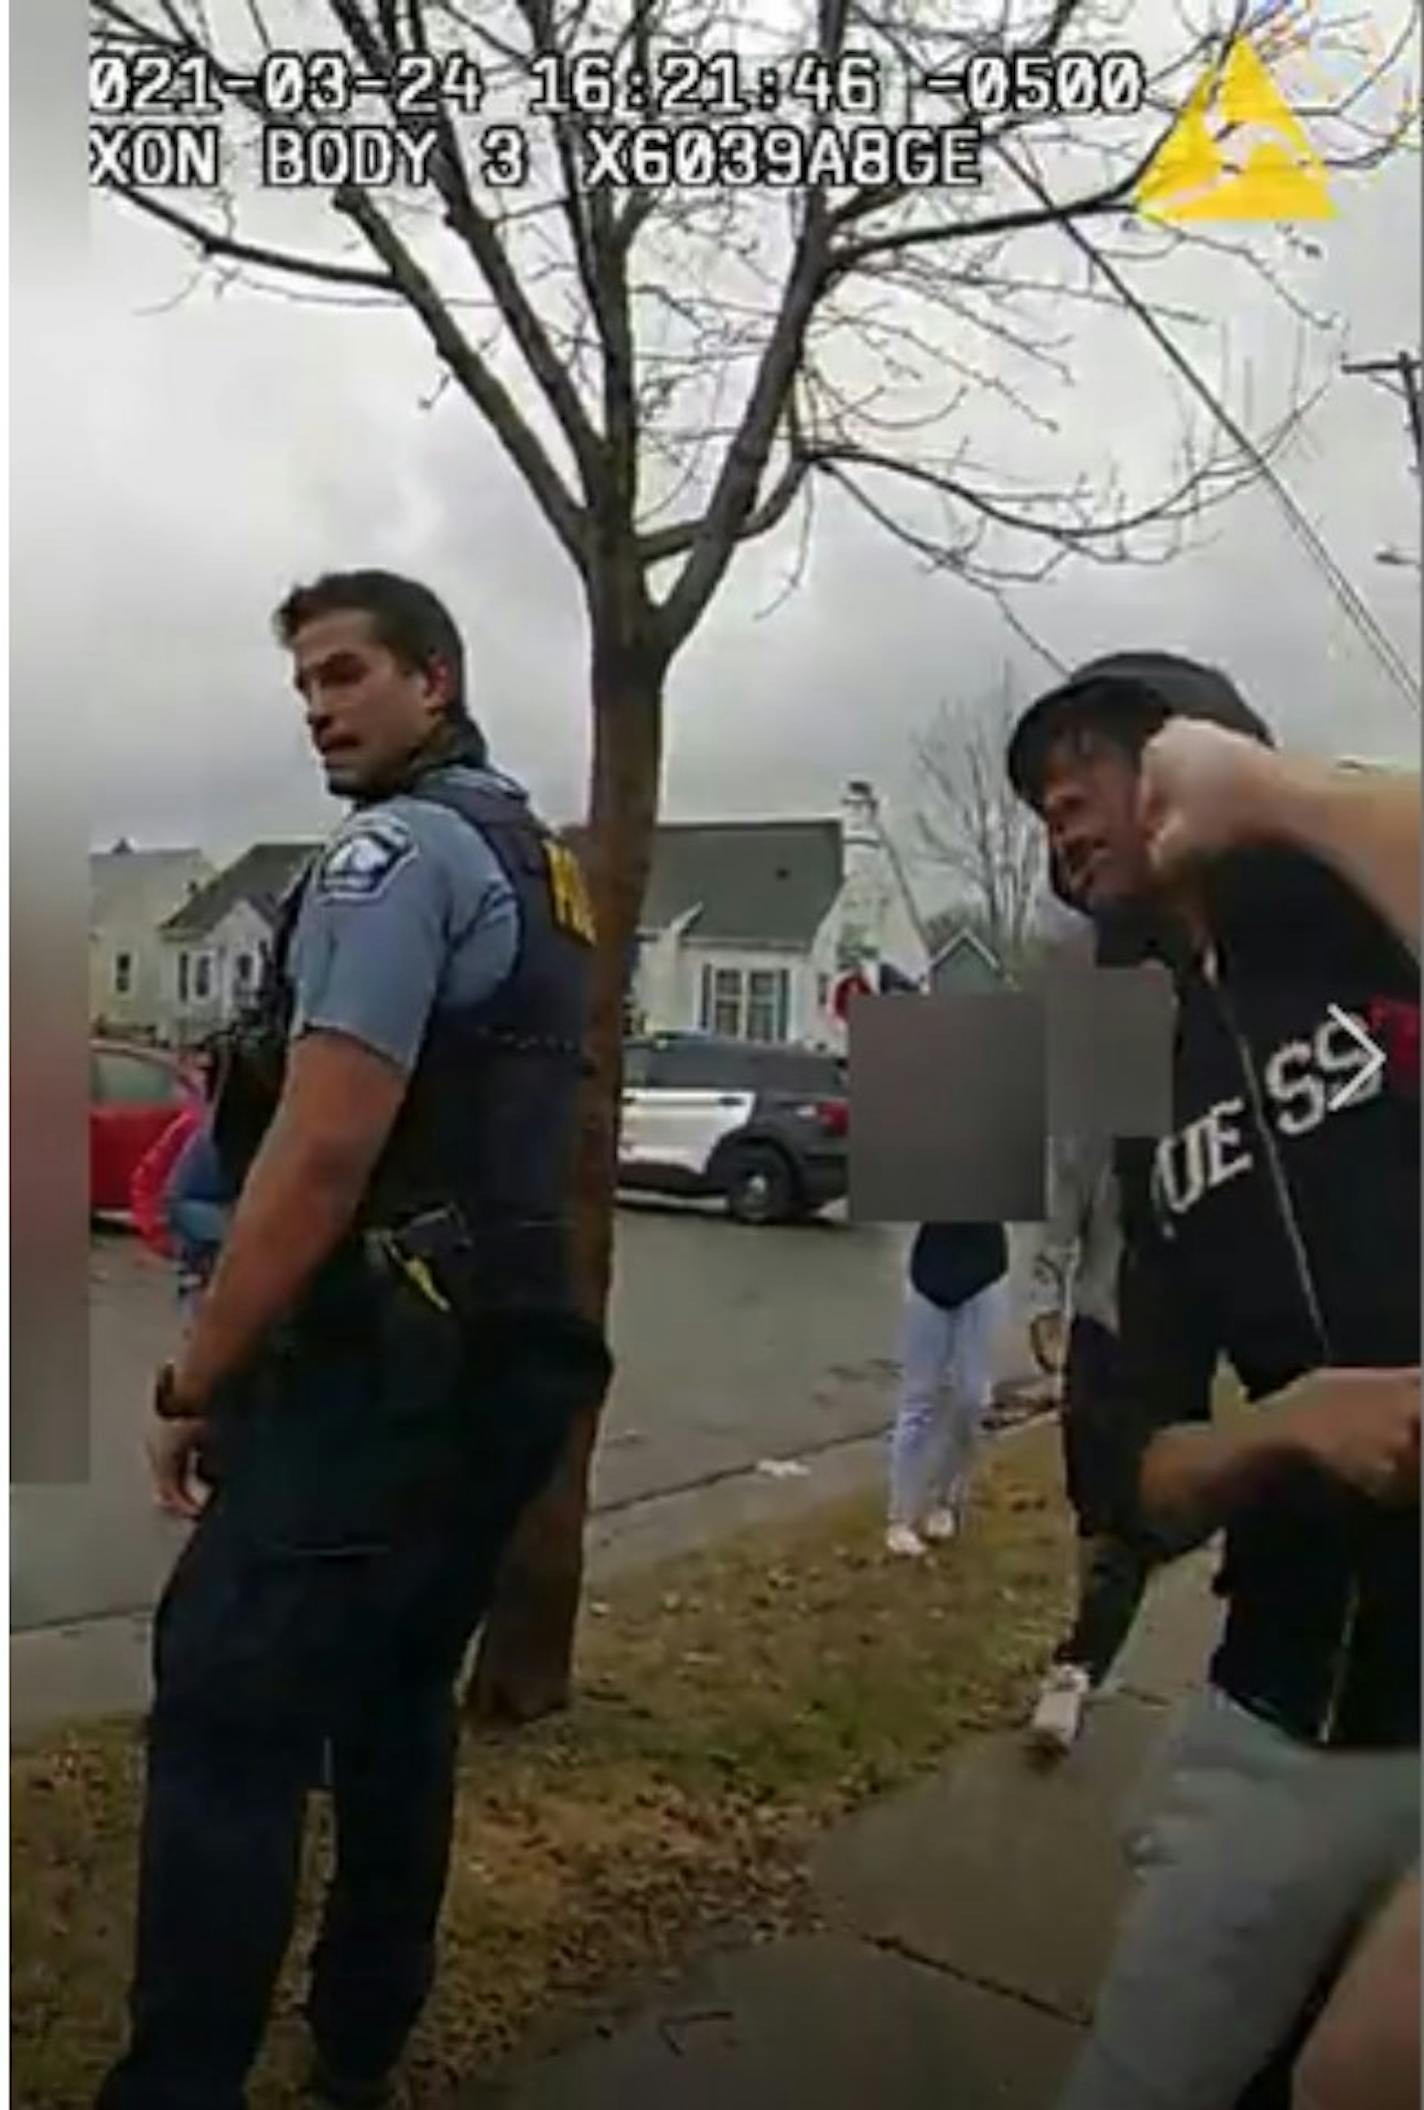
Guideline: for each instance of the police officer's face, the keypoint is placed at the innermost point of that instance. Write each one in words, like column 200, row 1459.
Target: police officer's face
column 367, row 712
column 1089, row 802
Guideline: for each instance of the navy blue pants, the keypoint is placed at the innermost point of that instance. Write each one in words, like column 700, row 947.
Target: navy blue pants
column 326, row 1599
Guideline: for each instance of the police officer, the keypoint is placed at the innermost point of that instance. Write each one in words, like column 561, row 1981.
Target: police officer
column 384, row 1368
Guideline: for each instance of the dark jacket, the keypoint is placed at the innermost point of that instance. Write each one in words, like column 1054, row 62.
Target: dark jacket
column 452, row 1300
column 1278, row 1226
column 950, row 1263
column 487, row 1127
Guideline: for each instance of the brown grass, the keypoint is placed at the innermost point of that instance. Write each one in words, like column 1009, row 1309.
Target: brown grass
column 732, row 1704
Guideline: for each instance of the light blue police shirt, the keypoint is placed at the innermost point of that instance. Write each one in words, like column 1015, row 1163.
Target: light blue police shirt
column 408, row 912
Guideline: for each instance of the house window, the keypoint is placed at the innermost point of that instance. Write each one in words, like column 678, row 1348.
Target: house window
column 722, row 1001
column 242, row 973
column 202, row 978
column 768, row 1003
column 183, row 978
column 823, row 991
column 123, row 973
column 746, row 1004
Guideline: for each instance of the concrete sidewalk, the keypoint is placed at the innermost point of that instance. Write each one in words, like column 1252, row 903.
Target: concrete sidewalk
column 967, row 1923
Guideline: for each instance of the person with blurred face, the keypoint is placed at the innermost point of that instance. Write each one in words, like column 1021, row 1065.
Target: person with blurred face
column 954, row 1303
column 1275, row 1227
column 1073, row 1331
column 380, row 1375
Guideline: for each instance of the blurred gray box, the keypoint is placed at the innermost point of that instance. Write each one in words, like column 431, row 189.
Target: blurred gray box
column 1109, row 1051
column 953, row 1098
column 947, row 1102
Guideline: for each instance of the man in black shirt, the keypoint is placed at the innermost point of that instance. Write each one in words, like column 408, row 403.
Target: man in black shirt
column 1277, row 1227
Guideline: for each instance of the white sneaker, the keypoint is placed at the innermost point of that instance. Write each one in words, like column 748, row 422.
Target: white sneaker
column 940, row 1525
column 1058, row 1717
column 904, row 1541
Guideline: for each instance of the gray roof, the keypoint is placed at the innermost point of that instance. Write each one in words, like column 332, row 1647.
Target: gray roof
column 147, row 884
column 756, row 882
column 961, row 938
column 966, row 962
column 259, row 878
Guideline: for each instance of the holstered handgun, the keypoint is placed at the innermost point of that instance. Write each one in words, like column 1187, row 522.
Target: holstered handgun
column 432, row 1254
column 421, row 1273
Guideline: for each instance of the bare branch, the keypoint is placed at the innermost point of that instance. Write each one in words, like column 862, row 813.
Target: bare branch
column 474, row 375
column 662, row 543
column 864, row 203
column 735, row 491
column 1363, row 617
column 473, row 226
column 213, row 244
column 1110, row 200
column 1078, row 535
column 971, row 824
column 796, row 571
column 1025, row 631
column 758, row 343
column 600, row 245
column 264, row 35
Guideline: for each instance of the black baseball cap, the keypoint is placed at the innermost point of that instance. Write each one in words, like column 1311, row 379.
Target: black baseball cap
column 1127, row 696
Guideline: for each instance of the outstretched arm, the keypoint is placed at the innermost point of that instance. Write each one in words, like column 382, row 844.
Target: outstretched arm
column 1205, row 790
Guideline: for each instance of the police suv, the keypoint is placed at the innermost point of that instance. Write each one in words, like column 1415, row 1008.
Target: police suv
column 762, row 1126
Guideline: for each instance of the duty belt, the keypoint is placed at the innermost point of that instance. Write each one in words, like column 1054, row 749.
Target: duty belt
column 454, row 1270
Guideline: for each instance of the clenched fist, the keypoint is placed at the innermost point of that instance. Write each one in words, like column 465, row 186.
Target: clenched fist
column 1361, row 1426
column 1203, row 790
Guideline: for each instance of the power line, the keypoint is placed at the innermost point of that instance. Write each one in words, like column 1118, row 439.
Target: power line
column 1356, row 608
column 1351, row 601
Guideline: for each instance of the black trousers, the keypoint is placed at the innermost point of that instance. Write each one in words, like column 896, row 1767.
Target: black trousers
column 327, row 1597
column 1114, row 1562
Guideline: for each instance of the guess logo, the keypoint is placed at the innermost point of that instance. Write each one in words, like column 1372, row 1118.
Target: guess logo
column 1395, row 1026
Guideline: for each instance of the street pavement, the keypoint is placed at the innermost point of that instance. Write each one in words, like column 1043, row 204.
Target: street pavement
column 735, row 1347
column 967, row 1922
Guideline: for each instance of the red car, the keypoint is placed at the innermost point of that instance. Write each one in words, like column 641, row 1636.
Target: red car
column 133, row 1095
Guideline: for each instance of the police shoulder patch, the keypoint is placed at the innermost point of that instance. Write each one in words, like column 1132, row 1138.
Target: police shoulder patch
column 365, row 857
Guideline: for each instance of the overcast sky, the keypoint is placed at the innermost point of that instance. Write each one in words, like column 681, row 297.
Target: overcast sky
column 245, row 442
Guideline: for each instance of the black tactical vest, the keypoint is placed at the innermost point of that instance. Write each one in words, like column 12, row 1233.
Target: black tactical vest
column 489, row 1120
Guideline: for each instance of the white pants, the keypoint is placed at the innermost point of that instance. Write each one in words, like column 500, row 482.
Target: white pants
column 946, row 1382
column 1257, row 1859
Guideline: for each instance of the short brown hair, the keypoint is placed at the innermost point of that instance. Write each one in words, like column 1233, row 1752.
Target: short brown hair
column 408, row 619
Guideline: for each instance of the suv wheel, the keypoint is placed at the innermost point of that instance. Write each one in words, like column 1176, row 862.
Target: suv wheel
column 761, row 1188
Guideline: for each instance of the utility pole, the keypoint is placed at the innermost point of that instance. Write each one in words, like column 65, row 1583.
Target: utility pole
column 1402, row 369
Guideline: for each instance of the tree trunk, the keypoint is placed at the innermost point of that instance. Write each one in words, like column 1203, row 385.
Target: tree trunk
column 523, row 1667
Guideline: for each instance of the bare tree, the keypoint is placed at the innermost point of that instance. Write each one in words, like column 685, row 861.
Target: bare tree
column 678, row 338
column 970, row 825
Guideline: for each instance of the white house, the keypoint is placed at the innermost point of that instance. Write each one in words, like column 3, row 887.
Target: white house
column 748, row 926
column 131, row 894
column 216, row 944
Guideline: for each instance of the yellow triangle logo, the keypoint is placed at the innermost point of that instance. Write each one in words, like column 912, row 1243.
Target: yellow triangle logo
column 1237, row 152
